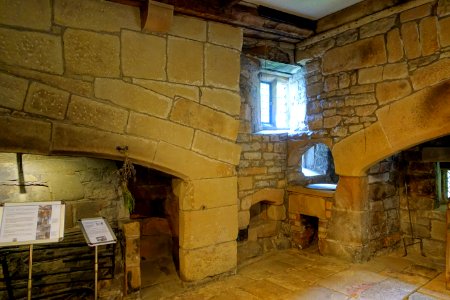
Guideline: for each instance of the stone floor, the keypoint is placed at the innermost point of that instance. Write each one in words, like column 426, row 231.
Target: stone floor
column 294, row 274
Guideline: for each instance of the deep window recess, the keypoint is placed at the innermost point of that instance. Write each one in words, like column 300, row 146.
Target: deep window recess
column 282, row 97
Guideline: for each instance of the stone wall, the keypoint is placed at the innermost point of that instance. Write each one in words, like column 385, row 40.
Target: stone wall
column 384, row 206
column 261, row 172
column 81, row 77
column 89, row 188
column 428, row 218
column 375, row 87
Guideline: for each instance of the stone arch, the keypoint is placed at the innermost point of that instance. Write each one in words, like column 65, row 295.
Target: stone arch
column 420, row 117
column 210, row 200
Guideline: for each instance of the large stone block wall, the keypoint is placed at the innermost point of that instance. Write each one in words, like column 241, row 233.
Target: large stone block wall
column 83, row 79
column 374, row 89
column 356, row 78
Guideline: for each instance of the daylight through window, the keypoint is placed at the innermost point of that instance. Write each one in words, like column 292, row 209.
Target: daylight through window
column 282, row 97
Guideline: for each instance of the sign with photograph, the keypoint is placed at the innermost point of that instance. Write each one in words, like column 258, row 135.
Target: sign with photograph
column 97, row 231
column 31, row 223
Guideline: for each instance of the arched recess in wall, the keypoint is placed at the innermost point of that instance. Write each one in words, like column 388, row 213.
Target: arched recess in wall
column 317, row 164
column 420, row 117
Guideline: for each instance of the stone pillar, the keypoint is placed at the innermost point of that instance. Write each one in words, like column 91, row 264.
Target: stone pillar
column 132, row 235
column 348, row 228
column 208, row 226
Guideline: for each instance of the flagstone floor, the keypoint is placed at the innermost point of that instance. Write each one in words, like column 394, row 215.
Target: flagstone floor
column 294, row 274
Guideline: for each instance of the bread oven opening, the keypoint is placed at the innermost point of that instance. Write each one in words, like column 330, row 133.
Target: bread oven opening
column 156, row 209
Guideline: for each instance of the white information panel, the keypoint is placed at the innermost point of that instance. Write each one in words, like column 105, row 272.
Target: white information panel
column 31, row 223
column 97, row 231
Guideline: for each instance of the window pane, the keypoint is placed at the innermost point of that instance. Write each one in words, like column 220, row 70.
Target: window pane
column 265, row 102
column 282, row 119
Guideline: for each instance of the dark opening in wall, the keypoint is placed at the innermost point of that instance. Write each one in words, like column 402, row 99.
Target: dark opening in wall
column 309, row 235
column 156, row 208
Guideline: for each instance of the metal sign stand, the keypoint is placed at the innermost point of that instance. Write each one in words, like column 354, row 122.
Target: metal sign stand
column 97, row 232
column 30, row 271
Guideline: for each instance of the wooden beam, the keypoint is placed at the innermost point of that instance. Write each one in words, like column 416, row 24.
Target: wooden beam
column 233, row 14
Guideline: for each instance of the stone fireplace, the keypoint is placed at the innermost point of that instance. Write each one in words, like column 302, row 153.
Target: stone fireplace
column 94, row 83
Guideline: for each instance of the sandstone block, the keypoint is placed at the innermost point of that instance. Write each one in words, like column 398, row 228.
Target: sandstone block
column 33, row 50
column 344, row 80
column 74, row 86
column 217, row 148
column 352, row 193
column 431, row 74
column 394, row 45
column 185, row 61
column 46, row 101
column 331, row 83
column 377, row 27
column 158, row 129
column 67, row 139
column 196, row 264
column 188, row 163
column 349, row 226
column 361, row 89
column 360, row 54
column 95, row 114
column 276, row 212
column 395, row 71
column 444, row 32
column 132, row 230
column 331, row 121
column 364, row 147
column 187, row 27
column 443, row 8
column 12, row 91
column 96, row 15
column 410, row 35
column 362, row 99
column 243, row 219
column 429, row 35
column 370, row 75
column 392, row 90
column 132, row 97
column 416, row 13
column 365, row 110
column 225, row 35
column 208, row 193
column 65, row 187
column 192, row 114
column 252, row 171
column 222, row 100
column 438, row 230
column 271, row 195
column 222, row 67
column 307, row 205
column 170, row 90
column 90, row 53
column 221, row 223
column 143, row 55
column 23, row 135
column 408, row 115
column 29, row 14
column 245, row 183
column 133, row 279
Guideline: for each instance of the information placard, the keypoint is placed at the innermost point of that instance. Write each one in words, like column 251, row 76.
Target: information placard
column 31, row 223
column 97, row 231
